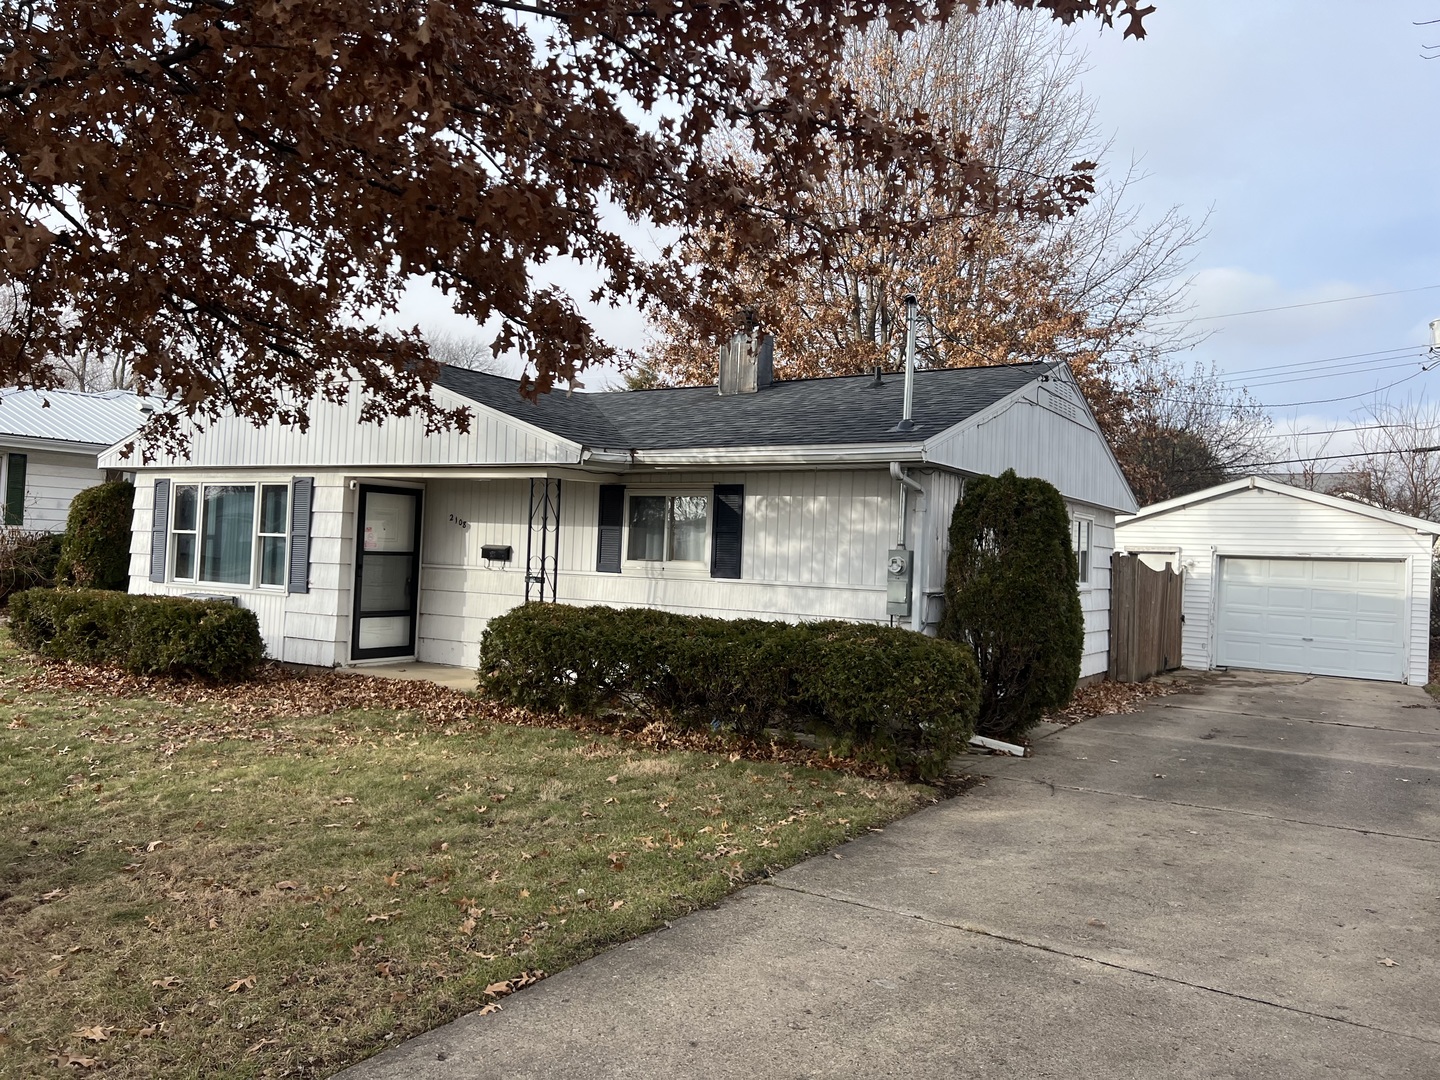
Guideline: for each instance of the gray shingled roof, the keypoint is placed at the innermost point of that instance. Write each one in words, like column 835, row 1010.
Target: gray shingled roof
column 100, row 419
column 815, row 412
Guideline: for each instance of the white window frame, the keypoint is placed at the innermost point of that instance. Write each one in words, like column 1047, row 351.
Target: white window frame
column 1084, row 569
column 194, row 534
column 664, row 566
column 257, row 571
column 258, row 487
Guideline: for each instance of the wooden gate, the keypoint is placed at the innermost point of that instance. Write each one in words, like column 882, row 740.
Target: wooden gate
column 1145, row 619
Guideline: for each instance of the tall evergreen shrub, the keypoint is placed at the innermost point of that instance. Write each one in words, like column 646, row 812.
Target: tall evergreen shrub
column 1011, row 594
column 96, row 551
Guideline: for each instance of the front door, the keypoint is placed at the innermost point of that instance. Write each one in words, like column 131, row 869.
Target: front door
column 387, row 572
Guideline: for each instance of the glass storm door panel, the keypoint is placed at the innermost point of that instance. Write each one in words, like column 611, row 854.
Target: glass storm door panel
column 387, row 572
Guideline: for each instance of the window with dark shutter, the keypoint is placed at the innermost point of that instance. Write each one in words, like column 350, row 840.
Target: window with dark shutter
column 15, row 466
column 302, row 501
column 728, row 530
column 612, row 526
column 159, row 530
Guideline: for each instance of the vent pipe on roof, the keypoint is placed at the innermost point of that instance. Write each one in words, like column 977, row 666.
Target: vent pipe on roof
column 906, row 423
column 747, row 359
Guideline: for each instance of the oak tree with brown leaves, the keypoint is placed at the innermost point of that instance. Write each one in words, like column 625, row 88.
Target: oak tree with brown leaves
column 229, row 193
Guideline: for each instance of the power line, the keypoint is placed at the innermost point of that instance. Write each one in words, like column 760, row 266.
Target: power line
column 1292, row 404
column 1293, row 307
column 1266, row 371
column 1336, row 457
column 1340, row 373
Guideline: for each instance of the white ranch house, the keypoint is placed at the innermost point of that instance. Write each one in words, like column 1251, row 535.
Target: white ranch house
column 788, row 500
column 50, row 443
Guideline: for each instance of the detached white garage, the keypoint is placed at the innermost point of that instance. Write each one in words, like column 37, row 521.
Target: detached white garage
column 1283, row 579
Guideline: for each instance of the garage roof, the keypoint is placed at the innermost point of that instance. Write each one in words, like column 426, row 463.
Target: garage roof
column 1262, row 484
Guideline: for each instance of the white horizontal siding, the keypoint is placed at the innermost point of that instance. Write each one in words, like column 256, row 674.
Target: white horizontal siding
column 52, row 480
column 300, row 628
column 1256, row 522
column 338, row 437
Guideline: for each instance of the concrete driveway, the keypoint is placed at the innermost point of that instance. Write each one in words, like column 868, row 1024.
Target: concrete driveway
column 1216, row 886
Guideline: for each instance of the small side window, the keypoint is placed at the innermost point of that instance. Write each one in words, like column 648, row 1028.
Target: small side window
column 183, row 530
column 1081, row 535
column 274, row 500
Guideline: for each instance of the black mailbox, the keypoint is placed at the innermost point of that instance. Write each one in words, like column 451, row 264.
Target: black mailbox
column 495, row 552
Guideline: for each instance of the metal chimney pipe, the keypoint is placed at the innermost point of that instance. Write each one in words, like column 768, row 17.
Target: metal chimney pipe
column 911, row 306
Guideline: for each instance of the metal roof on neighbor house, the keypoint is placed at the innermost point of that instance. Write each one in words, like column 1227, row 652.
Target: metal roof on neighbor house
column 812, row 412
column 69, row 416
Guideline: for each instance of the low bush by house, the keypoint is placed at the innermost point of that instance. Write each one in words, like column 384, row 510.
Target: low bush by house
column 146, row 635
column 881, row 694
column 27, row 560
column 96, row 552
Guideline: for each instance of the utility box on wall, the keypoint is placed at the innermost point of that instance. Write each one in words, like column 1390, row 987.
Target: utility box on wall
column 898, row 572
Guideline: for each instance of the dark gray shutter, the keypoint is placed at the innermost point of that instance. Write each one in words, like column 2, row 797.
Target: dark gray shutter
column 302, row 502
column 15, row 489
column 612, row 528
column 159, row 530
column 728, row 531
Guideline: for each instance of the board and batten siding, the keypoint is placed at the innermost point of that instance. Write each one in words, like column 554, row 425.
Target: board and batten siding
column 1259, row 523
column 1043, row 430
column 944, row 489
column 814, row 547
column 299, row 628
column 52, row 480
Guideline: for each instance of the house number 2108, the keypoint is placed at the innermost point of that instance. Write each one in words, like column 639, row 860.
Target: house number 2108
column 455, row 518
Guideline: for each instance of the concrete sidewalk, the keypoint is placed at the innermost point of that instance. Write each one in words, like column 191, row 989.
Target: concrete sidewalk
column 1202, row 889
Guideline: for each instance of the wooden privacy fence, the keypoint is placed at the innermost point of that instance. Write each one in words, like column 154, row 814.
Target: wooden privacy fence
column 1145, row 607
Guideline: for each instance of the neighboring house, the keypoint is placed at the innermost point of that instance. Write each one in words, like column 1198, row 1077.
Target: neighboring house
column 49, row 443
column 1284, row 579
column 356, row 541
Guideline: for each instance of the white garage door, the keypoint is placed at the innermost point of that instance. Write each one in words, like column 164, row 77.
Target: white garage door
column 1317, row 616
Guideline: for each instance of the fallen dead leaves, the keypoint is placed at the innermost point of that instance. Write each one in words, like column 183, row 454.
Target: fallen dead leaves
column 279, row 692
column 1107, row 698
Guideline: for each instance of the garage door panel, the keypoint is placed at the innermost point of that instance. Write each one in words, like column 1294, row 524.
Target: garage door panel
column 1333, row 627
column 1279, row 597
column 1319, row 616
column 1382, row 573
column 1372, row 632
column 1280, row 624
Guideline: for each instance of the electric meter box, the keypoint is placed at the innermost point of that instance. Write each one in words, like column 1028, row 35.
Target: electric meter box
column 898, row 571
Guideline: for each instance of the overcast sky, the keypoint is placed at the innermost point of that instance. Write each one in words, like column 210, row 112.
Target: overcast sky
column 1308, row 130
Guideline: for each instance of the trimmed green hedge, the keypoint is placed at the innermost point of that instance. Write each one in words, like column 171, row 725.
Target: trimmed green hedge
column 881, row 694
column 146, row 635
column 96, row 553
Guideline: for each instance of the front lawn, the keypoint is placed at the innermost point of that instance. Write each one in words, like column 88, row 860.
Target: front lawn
column 247, row 883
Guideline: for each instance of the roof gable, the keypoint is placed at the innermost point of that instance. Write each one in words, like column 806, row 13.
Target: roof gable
column 1260, row 483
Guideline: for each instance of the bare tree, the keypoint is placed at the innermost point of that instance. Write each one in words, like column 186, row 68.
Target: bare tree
column 1400, row 466
column 1185, row 429
column 461, row 350
column 1098, row 287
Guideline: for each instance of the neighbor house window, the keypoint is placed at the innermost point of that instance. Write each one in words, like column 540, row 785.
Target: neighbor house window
column 230, row 534
column 1081, row 535
column 667, row 528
